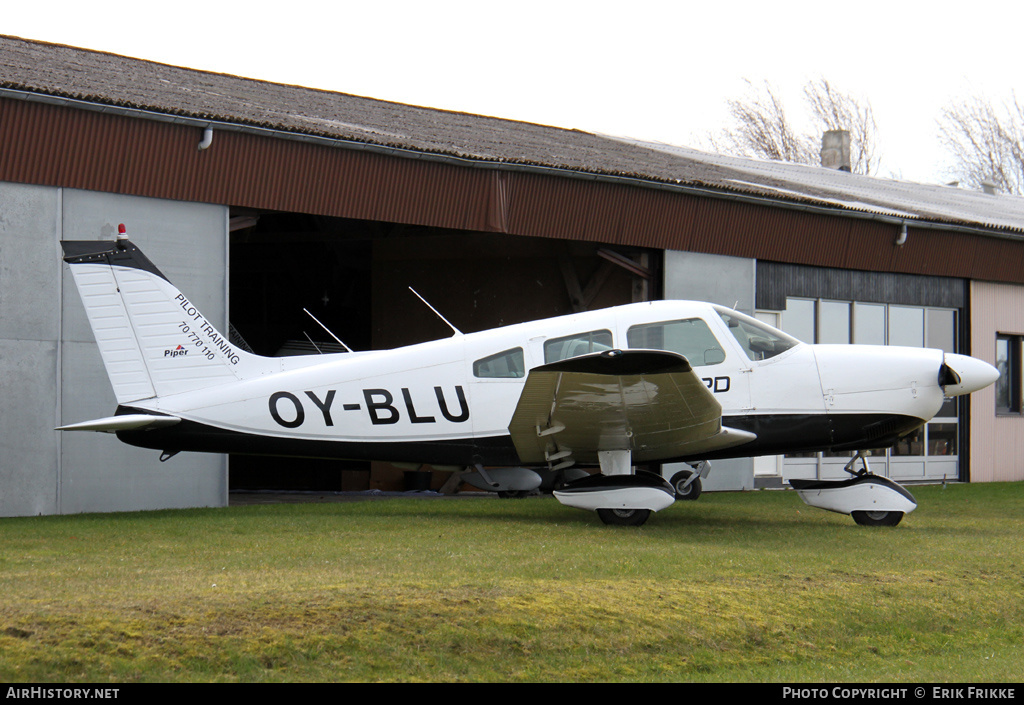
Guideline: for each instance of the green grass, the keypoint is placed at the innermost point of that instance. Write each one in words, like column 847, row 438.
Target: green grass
column 734, row 587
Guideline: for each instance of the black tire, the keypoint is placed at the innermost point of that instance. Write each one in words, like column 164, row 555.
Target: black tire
column 624, row 517
column 512, row 494
column 877, row 518
column 692, row 491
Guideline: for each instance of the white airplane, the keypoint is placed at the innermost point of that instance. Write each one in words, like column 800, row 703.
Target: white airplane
column 662, row 381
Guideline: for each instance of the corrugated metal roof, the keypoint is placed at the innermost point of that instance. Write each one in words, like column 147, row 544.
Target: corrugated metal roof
column 99, row 78
column 901, row 199
column 59, row 71
column 119, row 81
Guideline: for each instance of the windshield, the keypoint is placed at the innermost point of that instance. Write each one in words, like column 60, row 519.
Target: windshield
column 759, row 340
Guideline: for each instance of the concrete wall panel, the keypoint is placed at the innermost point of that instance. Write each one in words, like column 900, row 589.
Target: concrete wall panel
column 50, row 368
column 28, row 414
column 187, row 242
column 29, row 323
column 28, row 280
column 727, row 281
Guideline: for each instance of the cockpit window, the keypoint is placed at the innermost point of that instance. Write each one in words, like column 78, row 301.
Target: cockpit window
column 758, row 340
column 504, row 365
column 691, row 338
column 576, row 345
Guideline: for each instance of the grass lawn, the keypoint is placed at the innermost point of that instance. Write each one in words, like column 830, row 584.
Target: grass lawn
column 734, row 587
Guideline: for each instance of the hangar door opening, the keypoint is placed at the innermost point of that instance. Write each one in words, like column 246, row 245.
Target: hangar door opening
column 355, row 277
column 281, row 264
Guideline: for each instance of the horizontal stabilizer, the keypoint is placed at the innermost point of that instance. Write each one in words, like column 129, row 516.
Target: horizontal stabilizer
column 124, row 422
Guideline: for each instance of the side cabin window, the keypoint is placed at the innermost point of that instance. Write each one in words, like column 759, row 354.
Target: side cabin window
column 758, row 340
column 576, row 345
column 691, row 338
column 503, row 365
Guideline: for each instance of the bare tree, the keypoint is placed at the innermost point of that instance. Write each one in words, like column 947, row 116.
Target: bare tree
column 986, row 143
column 763, row 129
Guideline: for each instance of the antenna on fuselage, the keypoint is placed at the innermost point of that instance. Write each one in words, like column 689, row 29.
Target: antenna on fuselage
column 326, row 329
column 315, row 346
column 447, row 322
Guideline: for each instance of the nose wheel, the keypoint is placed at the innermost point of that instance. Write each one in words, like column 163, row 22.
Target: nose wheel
column 877, row 518
column 624, row 517
column 873, row 517
column 870, row 499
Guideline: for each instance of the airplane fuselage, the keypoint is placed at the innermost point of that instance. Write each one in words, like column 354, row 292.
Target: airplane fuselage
column 450, row 401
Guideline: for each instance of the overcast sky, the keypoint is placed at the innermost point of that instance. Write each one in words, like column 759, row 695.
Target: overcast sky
column 650, row 70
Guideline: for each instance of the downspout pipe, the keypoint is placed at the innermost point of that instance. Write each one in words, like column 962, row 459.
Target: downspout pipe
column 901, row 239
column 207, row 138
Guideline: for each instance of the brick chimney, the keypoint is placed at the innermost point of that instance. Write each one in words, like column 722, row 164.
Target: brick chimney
column 835, row 150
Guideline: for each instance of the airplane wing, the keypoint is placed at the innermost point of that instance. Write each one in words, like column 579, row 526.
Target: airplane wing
column 650, row 402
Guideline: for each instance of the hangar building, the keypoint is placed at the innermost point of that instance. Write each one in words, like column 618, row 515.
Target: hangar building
column 261, row 199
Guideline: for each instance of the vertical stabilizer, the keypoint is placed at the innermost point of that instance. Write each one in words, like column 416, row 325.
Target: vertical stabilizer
column 153, row 340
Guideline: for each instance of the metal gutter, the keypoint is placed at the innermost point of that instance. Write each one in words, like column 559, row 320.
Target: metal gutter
column 477, row 163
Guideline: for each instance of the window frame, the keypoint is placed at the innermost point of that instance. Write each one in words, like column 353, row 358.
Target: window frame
column 936, row 322
column 734, row 319
column 1012, row 375
column 642, row 328
column 512, row 353
column 588, row 336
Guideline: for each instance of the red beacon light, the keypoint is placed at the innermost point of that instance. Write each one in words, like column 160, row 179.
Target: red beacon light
column 122, row 235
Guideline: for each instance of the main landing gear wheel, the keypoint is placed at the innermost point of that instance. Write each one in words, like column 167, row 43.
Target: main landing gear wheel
column 624, row 517
column 877, row 518
column 691, row 491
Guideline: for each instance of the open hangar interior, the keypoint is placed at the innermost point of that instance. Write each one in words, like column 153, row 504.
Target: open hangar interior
column 290, row 273
column 260, row 200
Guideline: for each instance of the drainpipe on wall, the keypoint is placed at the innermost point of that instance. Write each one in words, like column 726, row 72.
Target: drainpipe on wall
column 207, row 139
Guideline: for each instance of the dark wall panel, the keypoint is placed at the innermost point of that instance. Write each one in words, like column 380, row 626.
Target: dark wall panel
column 776, row 281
